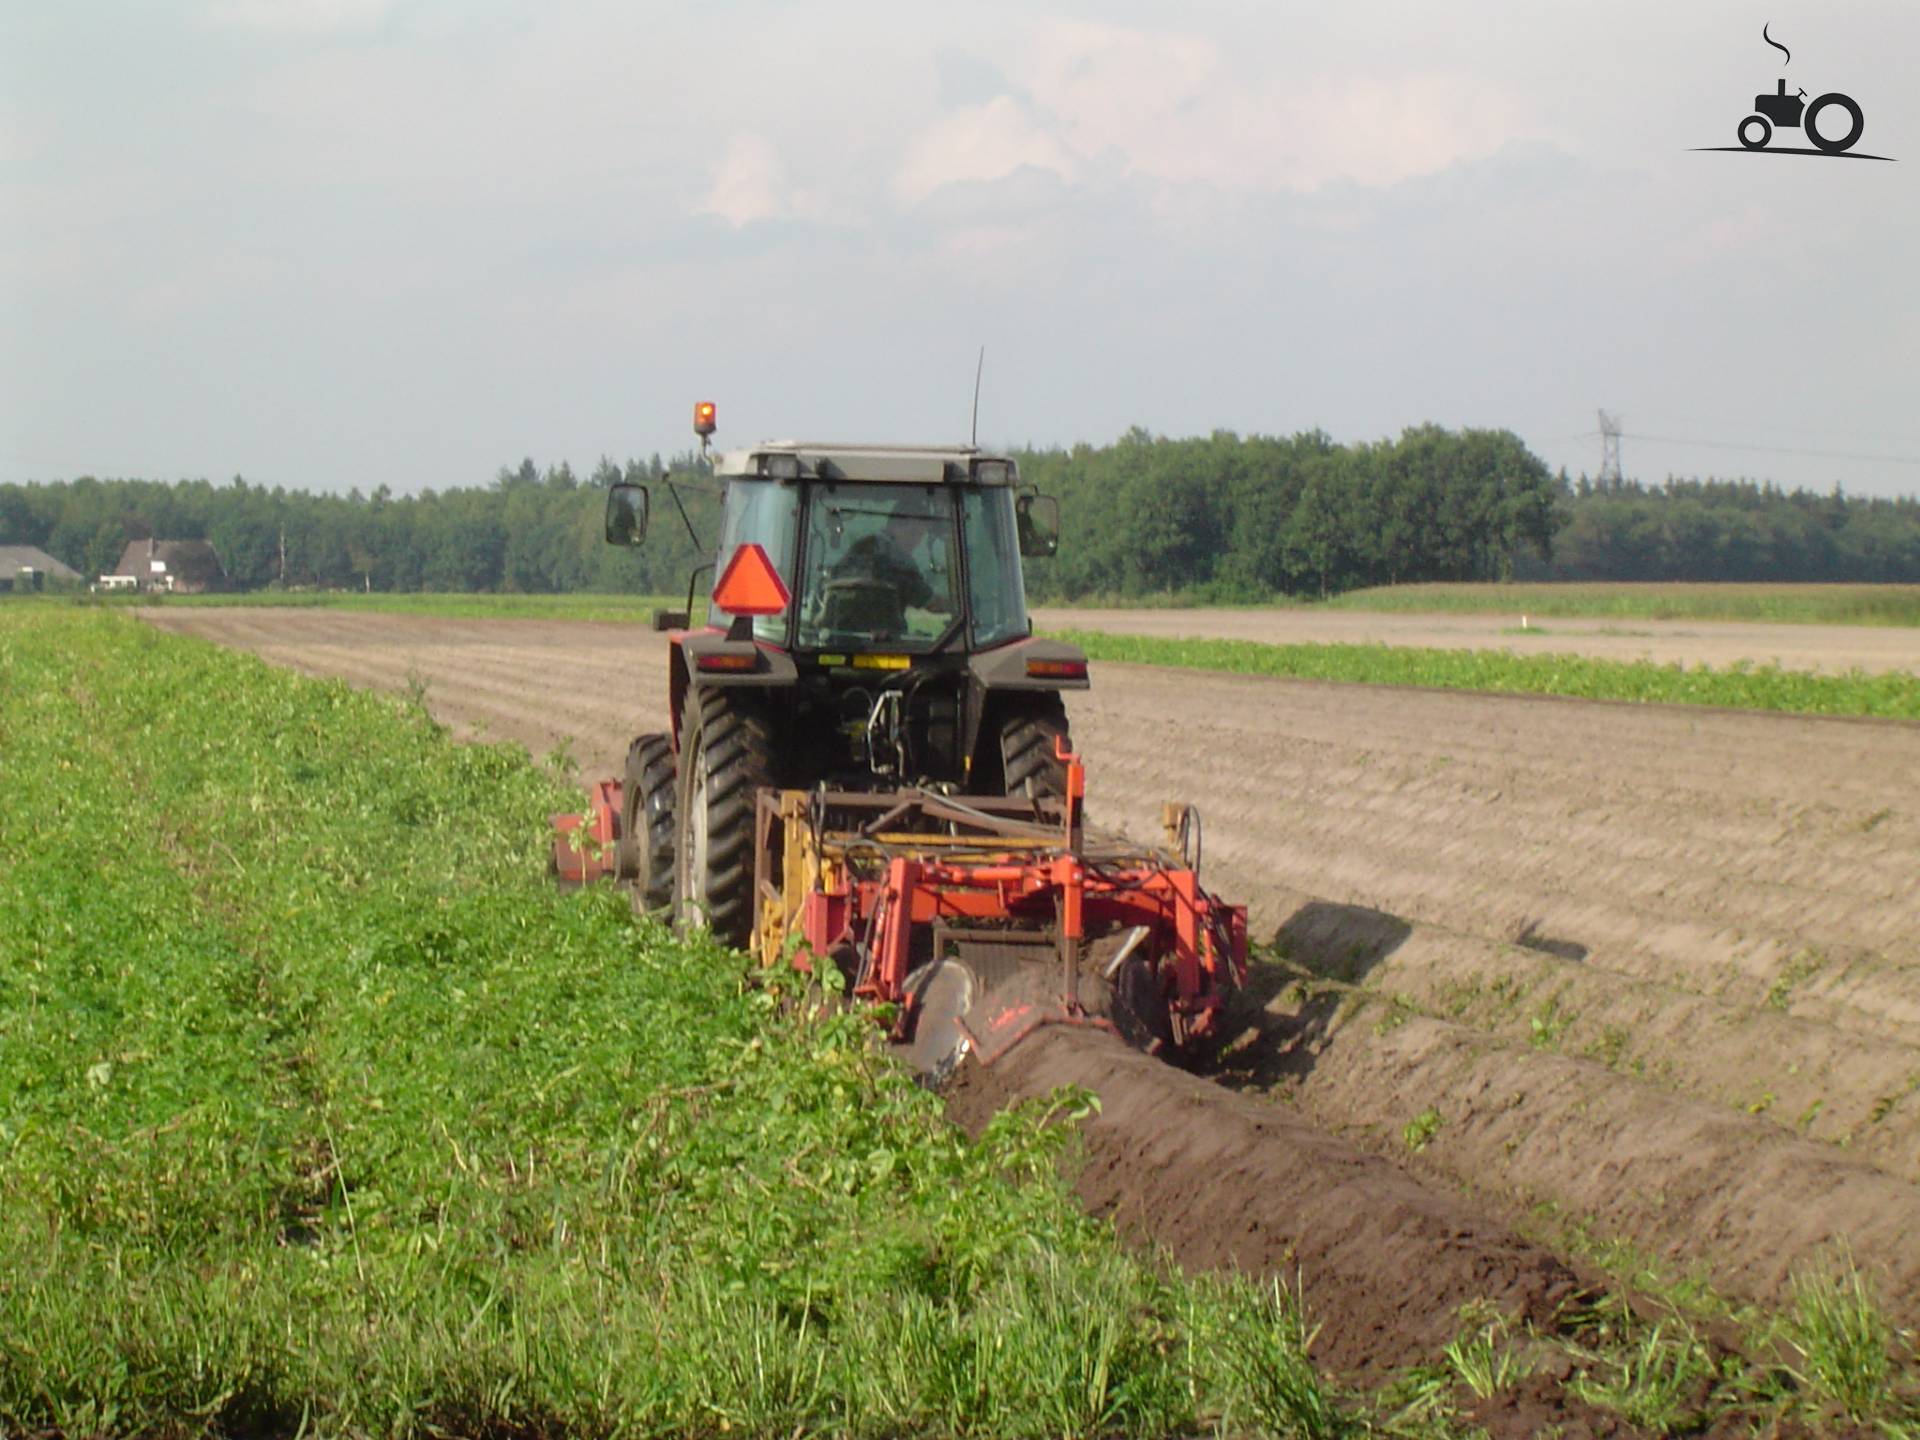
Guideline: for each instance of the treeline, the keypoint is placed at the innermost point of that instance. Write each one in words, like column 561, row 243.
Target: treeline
column 1221, row 517
column 531, row 530
column 1246, row 517
column 1729, row 530
column 1236, row 518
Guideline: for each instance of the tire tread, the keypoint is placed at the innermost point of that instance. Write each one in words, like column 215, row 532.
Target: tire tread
column 1026, row 748
column 647, row 831
column 737, row 739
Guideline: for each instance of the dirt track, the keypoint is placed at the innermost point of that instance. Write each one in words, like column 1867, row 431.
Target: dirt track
column 1829, row 648
column 1656, row 971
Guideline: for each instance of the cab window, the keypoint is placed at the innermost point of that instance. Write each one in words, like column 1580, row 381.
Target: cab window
column 766, row 513
column 880, row 567
column 995, row 587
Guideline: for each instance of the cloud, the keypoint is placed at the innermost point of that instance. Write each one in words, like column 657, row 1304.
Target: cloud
column 1147, row 95
column 967, row 79
column 1027, row 192
column 751, row 184
column 982, row 142
column 1182, row 109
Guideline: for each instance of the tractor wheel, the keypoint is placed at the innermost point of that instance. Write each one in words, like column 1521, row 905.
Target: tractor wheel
column 726, row 754
column 646, row 823
column 1027, row 754
column 1856, row 123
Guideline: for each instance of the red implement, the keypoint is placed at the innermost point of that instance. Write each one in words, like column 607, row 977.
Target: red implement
column 888, row 887
column 885, row 876
column 575, row 863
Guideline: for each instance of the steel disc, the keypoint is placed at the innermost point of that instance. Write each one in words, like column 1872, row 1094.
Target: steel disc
column 943, row 992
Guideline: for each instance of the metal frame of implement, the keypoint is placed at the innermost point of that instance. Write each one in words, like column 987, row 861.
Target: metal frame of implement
column 858, row 874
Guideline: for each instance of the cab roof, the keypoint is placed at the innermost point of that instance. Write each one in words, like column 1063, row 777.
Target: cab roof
column 914, row 464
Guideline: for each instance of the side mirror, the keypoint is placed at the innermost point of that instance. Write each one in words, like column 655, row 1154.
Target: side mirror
column 1039, row 522
column 626, row 514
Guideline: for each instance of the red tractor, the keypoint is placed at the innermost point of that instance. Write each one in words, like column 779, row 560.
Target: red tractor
column 869, row 762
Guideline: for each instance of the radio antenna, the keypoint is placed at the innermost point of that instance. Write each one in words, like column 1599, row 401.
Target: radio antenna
column 973, row 438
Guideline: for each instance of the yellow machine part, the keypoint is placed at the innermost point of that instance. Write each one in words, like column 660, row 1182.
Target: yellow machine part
column 802, row 870
column 809, row 863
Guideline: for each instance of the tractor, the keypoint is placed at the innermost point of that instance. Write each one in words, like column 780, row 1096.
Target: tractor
column 869, row 760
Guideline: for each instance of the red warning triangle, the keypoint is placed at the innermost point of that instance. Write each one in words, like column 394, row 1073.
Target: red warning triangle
column 750, row 585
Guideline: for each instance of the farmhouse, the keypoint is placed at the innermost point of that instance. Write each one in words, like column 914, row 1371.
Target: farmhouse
column 27, row 567
column 184, row 567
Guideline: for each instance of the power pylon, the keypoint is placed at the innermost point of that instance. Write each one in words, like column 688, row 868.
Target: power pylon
column 1609, row 449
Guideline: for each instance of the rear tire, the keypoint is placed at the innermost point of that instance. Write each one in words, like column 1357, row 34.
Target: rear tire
column 726, row 752
column 1856, row 124
column 1027, row 758
column 646, row 822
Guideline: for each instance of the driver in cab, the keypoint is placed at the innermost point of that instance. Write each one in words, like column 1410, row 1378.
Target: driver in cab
column 886, row 557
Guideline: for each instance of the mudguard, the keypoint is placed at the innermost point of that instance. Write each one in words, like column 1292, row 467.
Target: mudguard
column 765, row 667
column 1006, row 666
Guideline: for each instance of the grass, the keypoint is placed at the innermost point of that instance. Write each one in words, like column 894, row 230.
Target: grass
column 1843, row 1341
column 1482, row 1356
column 321, row 1112
column 1418, row 1132
column 1741, row 686
column 1831, row 1354
column 1660, row 1383
column 1825, row 604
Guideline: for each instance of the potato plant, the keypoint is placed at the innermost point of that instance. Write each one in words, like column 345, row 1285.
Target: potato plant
column 321, row 1112
column 1893, row 695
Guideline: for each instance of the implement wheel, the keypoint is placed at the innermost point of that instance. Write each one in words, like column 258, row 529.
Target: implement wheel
column 1027, row 735
column 646, row 823
column 726, row 755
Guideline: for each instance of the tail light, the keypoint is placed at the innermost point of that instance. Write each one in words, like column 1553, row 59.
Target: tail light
column 1056, row 669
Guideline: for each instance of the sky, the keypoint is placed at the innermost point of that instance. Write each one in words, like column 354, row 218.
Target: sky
column 338, row 243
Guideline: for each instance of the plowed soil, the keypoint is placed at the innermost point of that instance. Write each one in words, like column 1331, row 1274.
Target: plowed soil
column 1223, row 1180
column 1639, row 974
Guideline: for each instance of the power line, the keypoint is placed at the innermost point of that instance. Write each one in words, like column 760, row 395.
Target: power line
column 1742, row 425
column 1736, row 445
column 1781, row 450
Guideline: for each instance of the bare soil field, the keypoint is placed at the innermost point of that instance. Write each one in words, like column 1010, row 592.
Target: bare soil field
column 1636, row 974
column 1828, row 649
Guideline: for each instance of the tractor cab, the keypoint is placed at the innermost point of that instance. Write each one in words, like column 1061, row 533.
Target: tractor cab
column 912, row 552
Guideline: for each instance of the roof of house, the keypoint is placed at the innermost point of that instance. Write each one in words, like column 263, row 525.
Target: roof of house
column 15, row 558
column 189, row 560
